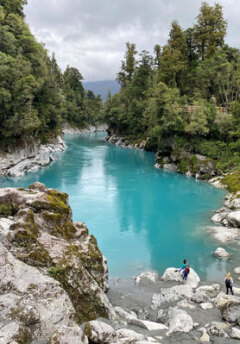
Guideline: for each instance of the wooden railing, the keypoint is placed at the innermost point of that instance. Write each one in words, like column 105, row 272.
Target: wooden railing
column 191, row 108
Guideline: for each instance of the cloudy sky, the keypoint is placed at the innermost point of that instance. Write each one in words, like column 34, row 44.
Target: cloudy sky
column 91, row 34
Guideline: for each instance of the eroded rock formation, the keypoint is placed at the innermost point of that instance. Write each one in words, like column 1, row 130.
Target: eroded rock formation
column 52, row 273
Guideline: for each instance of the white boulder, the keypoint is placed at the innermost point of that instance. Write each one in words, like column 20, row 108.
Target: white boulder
column 221, row 253
column 212, row 290
column 148, row 325
column 129, row 334
column 235, row 333
column 217, row 218
column 173, row 294
column 200, row 297
column 171, row 274
column 233, row 201
column 205, row 337
column 237, row 270
column 124, row 314
column 233, row 218
column 223, row 234
column 230, row 310
column 99, row 332
column 147, row 276
column 179, row 321
column 206, row 305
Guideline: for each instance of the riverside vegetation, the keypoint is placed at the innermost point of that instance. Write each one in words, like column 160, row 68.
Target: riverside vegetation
column 183, row 102
column 36, row 98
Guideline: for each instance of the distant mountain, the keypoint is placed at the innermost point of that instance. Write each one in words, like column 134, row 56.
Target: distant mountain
column 101, row 87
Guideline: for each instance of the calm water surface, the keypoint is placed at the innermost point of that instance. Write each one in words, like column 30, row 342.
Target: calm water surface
column 142, row 217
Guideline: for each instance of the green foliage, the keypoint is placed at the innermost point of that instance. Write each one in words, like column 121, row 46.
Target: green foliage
column 13, row 6
column 210, row 30
column 177, row 93
column 35, row 97
column 232, row 181
column 198, row 120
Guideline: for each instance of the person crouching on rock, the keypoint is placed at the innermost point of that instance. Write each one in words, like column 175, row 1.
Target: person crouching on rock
column 183, row 266
column 185, row 272
column 229, row 283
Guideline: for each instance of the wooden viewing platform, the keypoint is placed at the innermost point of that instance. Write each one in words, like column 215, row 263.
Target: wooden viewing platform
column 191, row 108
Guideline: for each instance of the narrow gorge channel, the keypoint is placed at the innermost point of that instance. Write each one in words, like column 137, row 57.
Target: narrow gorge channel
column 142, row 217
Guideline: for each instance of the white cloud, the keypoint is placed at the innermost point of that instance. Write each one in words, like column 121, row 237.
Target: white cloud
column 91, row 34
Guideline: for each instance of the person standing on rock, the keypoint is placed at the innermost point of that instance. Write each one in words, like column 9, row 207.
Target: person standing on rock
column 183, row 266
column 229, row 283
column 185, row 272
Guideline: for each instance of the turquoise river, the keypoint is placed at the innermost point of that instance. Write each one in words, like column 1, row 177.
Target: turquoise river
column 143, row 218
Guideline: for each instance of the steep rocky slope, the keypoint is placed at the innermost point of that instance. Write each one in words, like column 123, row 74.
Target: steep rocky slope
column 52, row 274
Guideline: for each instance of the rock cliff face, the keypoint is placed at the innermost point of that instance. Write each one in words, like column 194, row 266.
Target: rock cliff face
column 29, row 155
column 171, row 158
column 52, row 273
column 193, row 165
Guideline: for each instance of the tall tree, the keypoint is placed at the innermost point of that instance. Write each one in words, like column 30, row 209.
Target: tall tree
column 13, row 6
column 128, row 65
column 210, row 30
column 174, row 58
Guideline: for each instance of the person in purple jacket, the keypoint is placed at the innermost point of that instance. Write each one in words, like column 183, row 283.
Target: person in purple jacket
column 185, row 272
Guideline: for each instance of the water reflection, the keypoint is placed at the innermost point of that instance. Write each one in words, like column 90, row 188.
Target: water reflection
column 143, row 218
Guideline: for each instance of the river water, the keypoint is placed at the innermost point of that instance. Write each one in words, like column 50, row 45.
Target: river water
column 143, row 218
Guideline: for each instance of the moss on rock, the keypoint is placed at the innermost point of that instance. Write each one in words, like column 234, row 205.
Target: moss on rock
column 58, row 225
column 232, row 181
column 6, row 209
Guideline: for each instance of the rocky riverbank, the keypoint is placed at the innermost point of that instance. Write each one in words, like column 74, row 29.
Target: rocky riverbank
column 29, row 155
column 123, row 142
column 68, row 129
column 172, row 159
column 227, row 220
column 54, row 286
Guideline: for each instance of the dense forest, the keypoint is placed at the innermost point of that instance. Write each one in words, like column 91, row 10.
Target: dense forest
column 188, row 90
column 36, row 98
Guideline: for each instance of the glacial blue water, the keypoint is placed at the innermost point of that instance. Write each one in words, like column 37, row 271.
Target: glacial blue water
column 143, row 218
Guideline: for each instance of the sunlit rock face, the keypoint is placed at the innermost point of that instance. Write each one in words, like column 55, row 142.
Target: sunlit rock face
column 51, row 270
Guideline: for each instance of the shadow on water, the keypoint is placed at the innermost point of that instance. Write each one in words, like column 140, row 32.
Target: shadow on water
column 143, row 218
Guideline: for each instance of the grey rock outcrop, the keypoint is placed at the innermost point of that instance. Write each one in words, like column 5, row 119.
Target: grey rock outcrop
column 195, row 165
column 173, row 294
column 171, row 274
column 179, row 321
column 224, row 234
column 99, row 332
column 31, row 302
column 67, row 129
column 229, row 217
column 235, row 333
column 66, row 335
column 51, row 270
column 221, row 253
column 148, row 276
column 230, row 309
column 211, row 290
column 29, row 155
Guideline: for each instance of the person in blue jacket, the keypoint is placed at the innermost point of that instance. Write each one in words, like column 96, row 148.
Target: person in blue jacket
column 184, row 264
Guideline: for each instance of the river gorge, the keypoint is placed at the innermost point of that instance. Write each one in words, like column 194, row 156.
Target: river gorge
column 143, row 218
